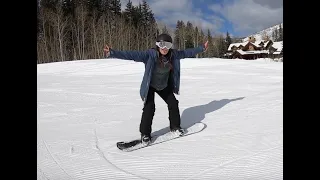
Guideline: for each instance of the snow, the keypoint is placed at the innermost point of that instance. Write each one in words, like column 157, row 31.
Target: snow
column 252, row 52
column 259, row 35
column 85, row 107
column 236, row 45
column 266, row 43
column 278, row 45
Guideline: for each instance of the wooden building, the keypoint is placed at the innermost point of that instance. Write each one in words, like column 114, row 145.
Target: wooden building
column 253, row 49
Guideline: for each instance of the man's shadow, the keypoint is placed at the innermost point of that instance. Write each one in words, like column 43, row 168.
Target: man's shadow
column 196, row 114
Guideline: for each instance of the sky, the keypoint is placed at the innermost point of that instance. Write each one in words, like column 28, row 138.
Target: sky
column 239, row 17
column 85, row 107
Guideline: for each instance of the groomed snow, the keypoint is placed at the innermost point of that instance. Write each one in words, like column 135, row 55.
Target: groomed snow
column 85, row 107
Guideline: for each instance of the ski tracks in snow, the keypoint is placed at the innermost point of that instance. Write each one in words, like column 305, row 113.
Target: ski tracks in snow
column 224, row 164
column 54, row 159
column 101, row 153
column 243, row 141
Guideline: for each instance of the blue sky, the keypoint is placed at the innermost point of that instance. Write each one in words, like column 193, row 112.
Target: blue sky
column 239, row 17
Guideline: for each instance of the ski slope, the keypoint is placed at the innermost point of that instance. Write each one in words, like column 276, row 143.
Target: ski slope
column 85, row 107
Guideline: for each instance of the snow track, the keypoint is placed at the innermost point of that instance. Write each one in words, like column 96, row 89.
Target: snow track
column 85, row 107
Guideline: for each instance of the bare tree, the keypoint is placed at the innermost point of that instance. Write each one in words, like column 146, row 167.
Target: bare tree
column 80, row 29
column 59, row 23
column 42, row 42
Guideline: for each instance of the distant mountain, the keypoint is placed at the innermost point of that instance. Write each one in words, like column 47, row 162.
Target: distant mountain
column 259, row 35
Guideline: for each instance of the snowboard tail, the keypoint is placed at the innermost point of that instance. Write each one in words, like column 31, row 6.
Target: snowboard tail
column 137, row 144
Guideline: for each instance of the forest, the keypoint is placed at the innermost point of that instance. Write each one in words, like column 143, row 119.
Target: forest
column 79, row 29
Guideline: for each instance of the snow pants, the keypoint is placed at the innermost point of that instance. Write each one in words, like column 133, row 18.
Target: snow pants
column 149, row 109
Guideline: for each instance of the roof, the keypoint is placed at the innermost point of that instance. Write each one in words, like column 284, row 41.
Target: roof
column 278, row 45
column 245, row 43
column 236, row 44
column 257, row 43
column 252, row 52
column 266, row 43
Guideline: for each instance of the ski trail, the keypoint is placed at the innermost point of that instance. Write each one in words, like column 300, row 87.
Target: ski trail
column 43, row 174
column 113, row 165
column 45, row 144
column 80, row 117
column 231, row 161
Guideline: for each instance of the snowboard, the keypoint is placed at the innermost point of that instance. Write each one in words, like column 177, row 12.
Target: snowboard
column 136, row 144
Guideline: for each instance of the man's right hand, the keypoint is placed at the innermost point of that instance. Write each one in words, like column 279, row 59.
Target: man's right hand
column 206, row 45
column 106, row 51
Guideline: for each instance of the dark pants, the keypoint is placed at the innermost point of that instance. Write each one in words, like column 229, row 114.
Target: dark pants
column 149, row 109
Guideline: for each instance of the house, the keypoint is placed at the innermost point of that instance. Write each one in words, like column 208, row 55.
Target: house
column 276, row 50
column 233, row 48
column 252, row 49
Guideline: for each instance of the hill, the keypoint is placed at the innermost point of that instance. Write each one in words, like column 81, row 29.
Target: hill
column 259, row 35
column 85, row 107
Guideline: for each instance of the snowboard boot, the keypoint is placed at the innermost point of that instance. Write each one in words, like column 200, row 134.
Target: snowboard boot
column 145, row 139
column 178, row 131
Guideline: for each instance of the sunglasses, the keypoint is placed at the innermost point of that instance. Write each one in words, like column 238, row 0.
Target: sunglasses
column 164, row 44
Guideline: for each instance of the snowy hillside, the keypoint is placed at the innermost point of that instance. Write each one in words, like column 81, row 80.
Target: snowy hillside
column 85, row 107
column 259, row 35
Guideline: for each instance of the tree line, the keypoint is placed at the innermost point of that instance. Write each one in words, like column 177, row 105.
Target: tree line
column 277, row 34
column 79, row 29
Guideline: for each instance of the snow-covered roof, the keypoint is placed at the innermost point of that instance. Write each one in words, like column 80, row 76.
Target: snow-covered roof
column 257, row 43
column 243, row 44
column 266, row 43
column 252, row 52
column 278, row 45
column 236, row 45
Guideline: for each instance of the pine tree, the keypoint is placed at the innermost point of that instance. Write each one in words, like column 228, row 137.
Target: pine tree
column 201, row 40
column 148, row 24
column 129, row 12
column 49, row 4
column 182, row 34
column 228, row 39
column 105, row 7
column 146, row 13
column 280, row 32
column 189, row 41
column 274, row 35
column 115, row 7
column 39, row 18
column 210, row 51
column 196, row 36
column 164, row 30
column 137, row 15
column 177, row 38
column 222, row 46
